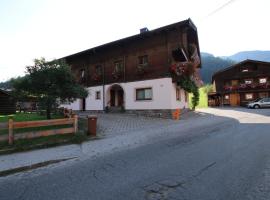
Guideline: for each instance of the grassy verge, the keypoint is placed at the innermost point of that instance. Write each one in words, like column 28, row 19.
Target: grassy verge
column 30, row 117
column 42, row 142
column 203, row 102
column 27, row 117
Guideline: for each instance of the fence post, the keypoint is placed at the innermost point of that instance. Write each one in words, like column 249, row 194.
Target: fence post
column 10, row 131
column 75, row 123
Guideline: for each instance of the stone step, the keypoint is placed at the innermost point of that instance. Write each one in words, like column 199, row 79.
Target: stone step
column 115, row 109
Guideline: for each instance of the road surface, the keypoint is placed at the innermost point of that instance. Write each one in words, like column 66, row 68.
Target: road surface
column 229, row 160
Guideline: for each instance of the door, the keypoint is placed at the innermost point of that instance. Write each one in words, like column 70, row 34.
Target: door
column 234, row 99
column 83, row 104
column 120, row 97
column 112, row 97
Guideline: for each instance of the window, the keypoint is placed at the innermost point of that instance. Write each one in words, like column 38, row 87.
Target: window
column 226, row 97
column 144, row 94
column 178, row 94
column 234, row 82
column 98, row 69
column 179, row 55
column 118, row 66
column 262, row 80
column 248, row 96
column 245, row 70
column 263, row 94
column 82, row 73
column 97, row 94
column 143, row 60
column 248, row 81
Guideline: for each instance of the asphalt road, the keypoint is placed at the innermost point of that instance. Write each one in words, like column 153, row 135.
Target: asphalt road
column 230, row 160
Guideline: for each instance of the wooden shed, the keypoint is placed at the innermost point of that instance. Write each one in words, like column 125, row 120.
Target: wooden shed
column 7, row 103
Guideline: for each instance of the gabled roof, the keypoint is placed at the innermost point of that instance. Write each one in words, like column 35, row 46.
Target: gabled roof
column 187, row 22
column 239, row 64
column 5, row 92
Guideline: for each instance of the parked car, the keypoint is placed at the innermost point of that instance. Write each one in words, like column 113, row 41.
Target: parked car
column 259, row 103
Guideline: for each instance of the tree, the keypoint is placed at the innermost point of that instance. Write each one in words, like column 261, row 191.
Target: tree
column 50, row 82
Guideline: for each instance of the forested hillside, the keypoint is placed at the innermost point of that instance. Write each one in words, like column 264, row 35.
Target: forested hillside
column 211, row 64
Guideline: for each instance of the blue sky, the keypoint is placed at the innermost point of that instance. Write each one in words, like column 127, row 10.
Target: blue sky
column 54, row 28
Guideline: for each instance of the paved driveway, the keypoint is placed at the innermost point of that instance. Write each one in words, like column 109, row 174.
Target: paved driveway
column 110, row 124
column 114, row 124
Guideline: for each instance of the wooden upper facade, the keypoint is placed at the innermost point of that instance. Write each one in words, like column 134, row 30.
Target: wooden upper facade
column 247, row 80
column 7, row 103
column 148, row 55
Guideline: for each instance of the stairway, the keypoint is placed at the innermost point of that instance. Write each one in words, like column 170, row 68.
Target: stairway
column 115, row 109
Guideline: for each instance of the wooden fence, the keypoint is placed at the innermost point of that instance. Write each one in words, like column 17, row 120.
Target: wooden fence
column 11, row 125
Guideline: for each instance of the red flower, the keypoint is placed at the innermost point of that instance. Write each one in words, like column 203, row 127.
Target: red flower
column 173, row 67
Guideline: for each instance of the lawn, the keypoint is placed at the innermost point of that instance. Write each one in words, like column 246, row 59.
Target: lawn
column 41, row 142
column 26, row 117
column 203, row 103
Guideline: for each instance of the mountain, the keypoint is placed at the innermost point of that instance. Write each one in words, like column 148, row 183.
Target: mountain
column 253, row 55
column 211, row 64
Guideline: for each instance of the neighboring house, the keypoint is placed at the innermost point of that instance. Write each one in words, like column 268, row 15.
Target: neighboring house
column 7, row 103
column 241, row 83
column 135, row 73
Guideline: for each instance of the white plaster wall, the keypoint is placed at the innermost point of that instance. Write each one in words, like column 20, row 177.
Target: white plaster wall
column 163, row 93
column 161, row 90
column 91, row 102
column 176, row 103
column 76, row 105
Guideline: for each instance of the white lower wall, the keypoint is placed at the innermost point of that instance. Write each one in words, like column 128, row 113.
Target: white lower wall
column 161, row 90
column 182, row 103
column 76, row 105
column 163, row 93
column 91, row 102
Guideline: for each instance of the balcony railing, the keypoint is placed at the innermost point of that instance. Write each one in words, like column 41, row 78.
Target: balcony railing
column 247, row 86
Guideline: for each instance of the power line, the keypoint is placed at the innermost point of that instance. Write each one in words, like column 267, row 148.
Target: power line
column 220, row 8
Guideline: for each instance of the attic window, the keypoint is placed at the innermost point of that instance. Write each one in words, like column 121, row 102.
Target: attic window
column 179, row 55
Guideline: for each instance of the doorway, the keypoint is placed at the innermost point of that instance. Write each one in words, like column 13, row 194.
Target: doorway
column 116, row 96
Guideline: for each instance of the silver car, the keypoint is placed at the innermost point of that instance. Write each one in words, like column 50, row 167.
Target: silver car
column 259, row 103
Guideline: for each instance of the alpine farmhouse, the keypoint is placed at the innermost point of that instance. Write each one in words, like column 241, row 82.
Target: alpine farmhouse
column 241, row 83
column 138, row 74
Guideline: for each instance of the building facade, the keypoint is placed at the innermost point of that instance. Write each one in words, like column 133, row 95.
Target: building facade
column 241, row 83
column 135, row 74
column 7, row 103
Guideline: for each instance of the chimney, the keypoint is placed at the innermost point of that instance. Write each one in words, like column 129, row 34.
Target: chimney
column 143, row 30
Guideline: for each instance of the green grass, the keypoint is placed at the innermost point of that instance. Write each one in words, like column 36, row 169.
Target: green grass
column 203, row 102
column 26, row 117
column 29, row 117
column 42, row 142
